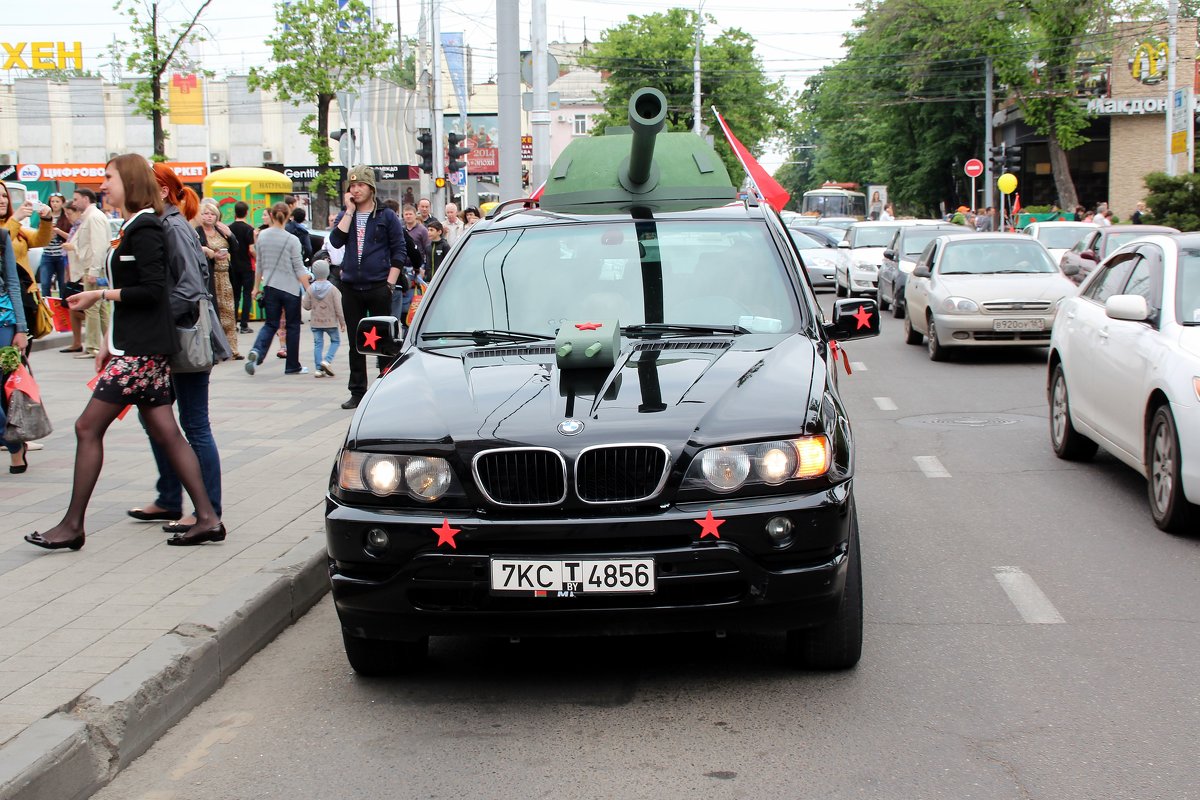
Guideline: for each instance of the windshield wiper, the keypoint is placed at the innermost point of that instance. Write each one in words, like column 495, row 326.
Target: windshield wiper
column 651, row 329
column 488, row 336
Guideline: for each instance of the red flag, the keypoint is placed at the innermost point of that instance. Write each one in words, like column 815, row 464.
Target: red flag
column 1017, row 203
column 770, row 190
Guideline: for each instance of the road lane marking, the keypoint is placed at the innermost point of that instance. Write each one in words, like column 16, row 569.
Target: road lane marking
column 931, row 466
column 1031, row 602
column 858, row 366
column 885, row 403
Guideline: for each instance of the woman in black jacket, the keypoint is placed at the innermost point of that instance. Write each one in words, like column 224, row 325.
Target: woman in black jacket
column 133, row 363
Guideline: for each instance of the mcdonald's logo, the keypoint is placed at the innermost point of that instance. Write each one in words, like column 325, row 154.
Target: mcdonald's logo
column 1148, row 63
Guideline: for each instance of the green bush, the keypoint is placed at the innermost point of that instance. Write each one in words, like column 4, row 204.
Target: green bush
column 1174, row 201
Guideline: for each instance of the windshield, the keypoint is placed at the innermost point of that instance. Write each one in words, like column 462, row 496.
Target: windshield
column 872, row 236
column 538, row 279
column 995, row 257
column 838, row 204
column 914, row 241
column 1062, row 238
column 1187, row 288
column 1116, row 240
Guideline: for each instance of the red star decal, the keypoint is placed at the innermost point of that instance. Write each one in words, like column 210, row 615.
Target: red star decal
column 863, row 316
column 370, row 338
column 445, row 534
column 708, row 526
column 589, row 326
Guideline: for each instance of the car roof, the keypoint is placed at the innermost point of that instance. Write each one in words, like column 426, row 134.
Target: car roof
column 536, row 217
column 989, row 237
column 1062, row 223
column 1148, row 229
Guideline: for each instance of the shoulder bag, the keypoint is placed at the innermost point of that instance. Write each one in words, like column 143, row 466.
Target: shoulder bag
column 195, row 344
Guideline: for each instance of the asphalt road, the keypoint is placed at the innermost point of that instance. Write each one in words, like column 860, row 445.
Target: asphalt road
column 1030, row 634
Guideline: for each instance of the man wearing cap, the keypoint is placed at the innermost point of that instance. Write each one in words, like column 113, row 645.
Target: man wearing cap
column 372, row 265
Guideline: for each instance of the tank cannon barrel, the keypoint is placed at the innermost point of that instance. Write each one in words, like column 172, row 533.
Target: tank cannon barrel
column 647, row 115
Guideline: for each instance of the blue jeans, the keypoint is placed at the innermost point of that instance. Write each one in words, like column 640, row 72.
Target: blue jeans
column 275, row 304
column 7, row 334
column 52, row 267
column 191, row 395
column 335, row 339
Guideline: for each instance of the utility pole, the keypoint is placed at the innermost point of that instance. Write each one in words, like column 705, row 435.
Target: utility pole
column 438, row 128
column 508, row 90
column 539, row 116
column 989, row 182
column 1172, row 36
column 697, row 126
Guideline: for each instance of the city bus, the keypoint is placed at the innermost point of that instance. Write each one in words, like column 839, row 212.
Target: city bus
column 834, row 200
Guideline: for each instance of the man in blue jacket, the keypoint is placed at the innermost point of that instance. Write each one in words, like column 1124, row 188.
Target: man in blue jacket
column 372, row 266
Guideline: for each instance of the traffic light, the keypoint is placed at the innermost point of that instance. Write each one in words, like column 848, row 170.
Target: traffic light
column 1012, row 158
column 425, row 151
column 996, row 159
column 455, row 151
column 1005, row 158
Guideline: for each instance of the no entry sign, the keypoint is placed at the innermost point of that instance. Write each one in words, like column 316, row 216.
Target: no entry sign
column 973, row 168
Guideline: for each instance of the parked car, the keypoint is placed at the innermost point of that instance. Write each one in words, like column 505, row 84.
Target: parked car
column 821, row 258
column 1094, row 247
column 867, row 242
column 901, row 256
column 1059, row 236
column 1124, row 372
column 983, row 290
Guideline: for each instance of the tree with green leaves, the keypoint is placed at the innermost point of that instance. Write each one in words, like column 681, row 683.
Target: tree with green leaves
column 156, row 47
column 658, row 49
column 320, row 49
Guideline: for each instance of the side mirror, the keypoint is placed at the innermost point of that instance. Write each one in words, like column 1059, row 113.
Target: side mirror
column 890, row 255
column 920, row 271
column 379, row 336
column 844, row 243
column 1070, row 269
column 853, row 319
column 1132, row 307
column 1089, row 255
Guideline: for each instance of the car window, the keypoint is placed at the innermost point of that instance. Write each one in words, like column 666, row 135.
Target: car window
column 995, row 257
column 537, row 279
column 1111, row 280
column 1086, row 243
column 1146, row 280
column 928, row 254
column 1060, row 238
column 871, row 235
column 914, row 241
column 1187, row 288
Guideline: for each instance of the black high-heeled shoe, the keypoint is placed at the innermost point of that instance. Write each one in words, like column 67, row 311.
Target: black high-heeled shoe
column 18, row 469
column 216, row 534
column 36, row 538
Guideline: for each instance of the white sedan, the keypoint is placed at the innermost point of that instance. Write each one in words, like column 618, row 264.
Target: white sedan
column 1059, row 236
column 1124, row 371
column 983, row 290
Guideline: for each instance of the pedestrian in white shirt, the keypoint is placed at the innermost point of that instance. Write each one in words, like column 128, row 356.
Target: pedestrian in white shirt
column 452, row 225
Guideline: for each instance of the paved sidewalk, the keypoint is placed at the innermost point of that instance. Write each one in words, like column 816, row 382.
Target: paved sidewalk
column 103, row 649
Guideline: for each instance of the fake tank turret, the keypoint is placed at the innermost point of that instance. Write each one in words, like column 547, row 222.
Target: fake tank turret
column 638, row 167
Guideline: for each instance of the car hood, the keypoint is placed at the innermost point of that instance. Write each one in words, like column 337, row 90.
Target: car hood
column 868, row 255
column 701, row 391
column 983, row 288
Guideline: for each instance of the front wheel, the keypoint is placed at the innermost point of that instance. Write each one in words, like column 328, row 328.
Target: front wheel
column 1068, row 443
column 380, row 657
column 911, row 335
column 837, row 644
column 879, row 301
column 1168, row 505
column 898, row 305
column 937, row 352
column 838, row 290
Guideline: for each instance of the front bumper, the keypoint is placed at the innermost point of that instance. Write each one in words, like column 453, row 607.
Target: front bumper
column 977, row 330
column 738, row 582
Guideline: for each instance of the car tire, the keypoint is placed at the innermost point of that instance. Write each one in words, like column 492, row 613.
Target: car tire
column 836, row 644
column 380, row 657
column 838, row 290
column 1164, row 485
column 879, row 301
column 911, row 335
column 898, row 310
column 1068, row 443
column 937, row 351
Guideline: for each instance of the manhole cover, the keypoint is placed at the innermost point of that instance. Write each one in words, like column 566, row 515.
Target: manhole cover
column 969, row 421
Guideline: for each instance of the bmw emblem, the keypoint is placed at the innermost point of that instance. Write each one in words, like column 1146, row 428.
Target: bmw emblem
column 570, row 427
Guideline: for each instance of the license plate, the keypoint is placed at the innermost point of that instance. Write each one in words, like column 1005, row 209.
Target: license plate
column 567, row 577
column 1019, row 325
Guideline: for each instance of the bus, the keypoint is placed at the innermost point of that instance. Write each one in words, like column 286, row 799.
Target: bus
column 835, row 200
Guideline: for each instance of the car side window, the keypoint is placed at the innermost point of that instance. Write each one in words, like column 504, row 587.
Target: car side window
column 1146, row 277
column 929, row 255
column 1111, row 279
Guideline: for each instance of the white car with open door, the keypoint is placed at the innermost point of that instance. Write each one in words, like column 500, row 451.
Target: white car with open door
column 1124, row 371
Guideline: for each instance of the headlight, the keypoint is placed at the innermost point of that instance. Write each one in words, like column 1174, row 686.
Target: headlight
column 959, row 305
column 727, row 469
column 866, row 266
column 424, row 478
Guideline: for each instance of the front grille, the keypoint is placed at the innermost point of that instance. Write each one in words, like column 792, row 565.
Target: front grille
column 510, row 352
column 1004, row 336
column 1017, row 307
column 620, row 473
column 675, row 344
column 521, row 476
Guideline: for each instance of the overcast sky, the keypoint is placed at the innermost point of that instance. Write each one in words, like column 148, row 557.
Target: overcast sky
column 794, row 39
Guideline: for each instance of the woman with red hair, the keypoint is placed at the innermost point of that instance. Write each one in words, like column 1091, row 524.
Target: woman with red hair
column 193, row 284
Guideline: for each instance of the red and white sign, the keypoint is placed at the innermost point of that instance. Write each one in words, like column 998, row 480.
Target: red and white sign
column 973, row 168
column 188, row 172
column 484, row 161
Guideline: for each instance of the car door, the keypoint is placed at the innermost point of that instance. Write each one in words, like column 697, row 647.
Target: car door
column 916, row 291
column 1127, row 355
column 1085, row 319
column 887, row 272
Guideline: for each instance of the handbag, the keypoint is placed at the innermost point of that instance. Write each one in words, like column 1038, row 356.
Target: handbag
column 195, row 344
column 27, row 418
column 418, row 296
column 42, row 323
column 70, row 289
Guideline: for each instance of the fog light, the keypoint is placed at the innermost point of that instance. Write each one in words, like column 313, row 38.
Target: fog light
column 377, row 539
column 962, row 335
column 780, row 531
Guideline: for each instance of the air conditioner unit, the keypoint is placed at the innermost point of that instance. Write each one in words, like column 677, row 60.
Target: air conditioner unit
column 563, row 118
column 216, row 159
column 268, row 155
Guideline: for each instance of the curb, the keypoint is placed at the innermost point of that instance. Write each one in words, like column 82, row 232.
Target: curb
column 72, row 754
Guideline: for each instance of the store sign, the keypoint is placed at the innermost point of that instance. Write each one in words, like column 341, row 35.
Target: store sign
column 484, row 161
column 1148, row 62
column 188, row 171
column 308, row 173
column 527, row 148
column 43, row 55
column 1109, row 106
